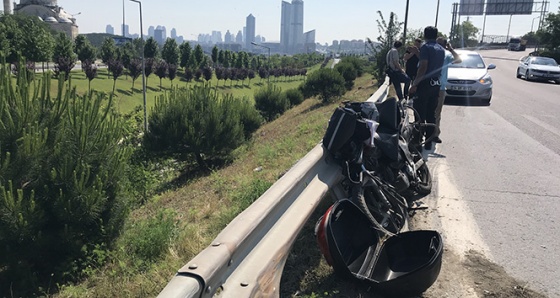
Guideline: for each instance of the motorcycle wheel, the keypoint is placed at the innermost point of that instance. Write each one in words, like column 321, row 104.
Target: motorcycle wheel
column 390, row 213
column 357, row 197
column 424, row 184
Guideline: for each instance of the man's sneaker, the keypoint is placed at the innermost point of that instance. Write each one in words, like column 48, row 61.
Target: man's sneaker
column 437, row 140
column 428, row 146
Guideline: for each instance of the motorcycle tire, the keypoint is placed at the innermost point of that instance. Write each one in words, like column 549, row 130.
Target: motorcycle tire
column 357, row 197
column 424, row 184
column 390, row 214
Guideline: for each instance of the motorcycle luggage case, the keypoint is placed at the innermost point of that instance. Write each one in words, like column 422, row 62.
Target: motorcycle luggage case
column 404, row 265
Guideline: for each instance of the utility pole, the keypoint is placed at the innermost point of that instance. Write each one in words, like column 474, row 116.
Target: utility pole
column 437, row 13
column 405, row 22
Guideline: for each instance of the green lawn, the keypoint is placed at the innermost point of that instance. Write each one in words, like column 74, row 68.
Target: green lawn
column 127, row 98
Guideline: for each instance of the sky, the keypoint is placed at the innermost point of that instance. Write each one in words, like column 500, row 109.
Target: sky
column 332, row 20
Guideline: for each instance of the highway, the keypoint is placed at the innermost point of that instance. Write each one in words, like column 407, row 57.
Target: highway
column 497, row 176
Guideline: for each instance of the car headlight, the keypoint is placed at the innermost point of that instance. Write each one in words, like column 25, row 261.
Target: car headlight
column 486, row 80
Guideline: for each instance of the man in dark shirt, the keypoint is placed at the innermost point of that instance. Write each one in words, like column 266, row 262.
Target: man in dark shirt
column 426, row 84
column 411, row 63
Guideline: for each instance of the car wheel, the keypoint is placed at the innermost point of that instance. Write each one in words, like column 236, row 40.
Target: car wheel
column 527, row 75
column 517, row 74
column 557, row 81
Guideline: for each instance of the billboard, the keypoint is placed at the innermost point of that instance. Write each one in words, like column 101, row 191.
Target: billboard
column 509, row 7
column 471, row 7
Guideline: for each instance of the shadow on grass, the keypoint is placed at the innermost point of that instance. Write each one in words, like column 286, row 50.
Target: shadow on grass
column 125, row 92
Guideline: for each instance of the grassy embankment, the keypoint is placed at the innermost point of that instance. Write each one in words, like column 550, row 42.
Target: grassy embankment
column 204, row 205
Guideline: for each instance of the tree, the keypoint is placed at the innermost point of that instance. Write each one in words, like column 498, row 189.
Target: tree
column 172, row 69
column 151, row 49
column 325, row 82
column 388, row 33
column 79, row 42
column 61, row 187
column 134, row 69
column 467, row 35
column 215, row 53
column 108, row 50
column 148, row 68
column 198, row 55
column 116, row 68
column 348, row 72
column 207, row 73
column 86, row 52
column 170, row 52
column 188, row 74
column 178, row 126
column 161, row 69
column 91, row 72
column 63, row 47
column 549, row 33
column 186, row 51
column 37, row 42
column 25, row 35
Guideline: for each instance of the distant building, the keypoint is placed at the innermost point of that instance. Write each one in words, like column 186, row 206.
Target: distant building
column 216, row 37
column 49, row 12
column 239, row 37
column 291, row 27
column 7, row 7
column 110, row 30
column 173, row 33
column 309, row 41
column 151, row 31
column 228, row 37
column 250, row 31
column 159, row 35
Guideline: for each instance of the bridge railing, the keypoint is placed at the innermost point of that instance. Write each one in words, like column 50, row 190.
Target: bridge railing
column 247, row 258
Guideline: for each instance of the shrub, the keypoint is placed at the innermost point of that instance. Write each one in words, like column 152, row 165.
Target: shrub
column 348, row 72
column 61, row 167
column 271, row 101
column 325, row 82
column 198, row 122
column 295, row 97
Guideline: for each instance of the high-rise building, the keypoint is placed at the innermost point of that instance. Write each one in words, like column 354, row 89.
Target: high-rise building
column 228, row 37
column 309, row 41
column 291, row 27
column 239, row 37
column 249, row 31
column 7, row 7
column 174, row 33
column 216, row 37
column 159, row 35
column 110, row 30
column 151, row 31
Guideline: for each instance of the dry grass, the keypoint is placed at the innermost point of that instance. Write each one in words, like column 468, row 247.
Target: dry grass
column 205, row 205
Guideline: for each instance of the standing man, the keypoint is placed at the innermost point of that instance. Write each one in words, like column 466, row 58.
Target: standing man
column 394, row 69
column 411, row 58
column 451, row 57
column 426, row 84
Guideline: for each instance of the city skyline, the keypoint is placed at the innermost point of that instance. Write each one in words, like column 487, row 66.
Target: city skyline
column 354, row 19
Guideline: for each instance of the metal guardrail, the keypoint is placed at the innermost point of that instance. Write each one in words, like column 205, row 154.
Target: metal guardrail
column 247, row 258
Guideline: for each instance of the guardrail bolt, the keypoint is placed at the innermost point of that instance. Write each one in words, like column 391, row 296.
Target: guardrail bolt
column 244, row 284
column 208, row 289
column 193, row 266
column 216, row 244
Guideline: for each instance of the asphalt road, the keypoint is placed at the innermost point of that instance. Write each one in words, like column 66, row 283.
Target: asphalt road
column 497, row 175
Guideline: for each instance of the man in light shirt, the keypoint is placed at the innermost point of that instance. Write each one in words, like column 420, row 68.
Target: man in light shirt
column 395, row 71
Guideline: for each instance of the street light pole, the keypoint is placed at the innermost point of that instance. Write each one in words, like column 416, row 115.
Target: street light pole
column 533, row 21
column 437, row 13
column 143, row 68
column 405, row 22
column 268, row 48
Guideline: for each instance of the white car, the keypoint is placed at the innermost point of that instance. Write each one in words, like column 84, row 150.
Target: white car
column 470, row 78
column 539, row 68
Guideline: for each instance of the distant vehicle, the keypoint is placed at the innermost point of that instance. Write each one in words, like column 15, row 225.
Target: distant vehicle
column 538, row 68
column 517, row 44
column 470, row 78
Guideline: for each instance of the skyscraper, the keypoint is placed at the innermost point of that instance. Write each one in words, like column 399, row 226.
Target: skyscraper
column 228, row 37
column 109, row 29
column 249, row 31
column 239, row 37
column 173, row 33
column 291, row 27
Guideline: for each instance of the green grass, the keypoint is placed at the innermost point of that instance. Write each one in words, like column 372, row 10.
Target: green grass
column 127, row 98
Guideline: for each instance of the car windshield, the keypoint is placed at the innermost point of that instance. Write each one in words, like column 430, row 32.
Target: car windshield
column 469, row 61
column 544, row 61
column 514, row 40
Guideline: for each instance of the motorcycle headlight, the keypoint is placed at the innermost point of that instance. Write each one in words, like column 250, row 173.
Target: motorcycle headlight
column 485, row 80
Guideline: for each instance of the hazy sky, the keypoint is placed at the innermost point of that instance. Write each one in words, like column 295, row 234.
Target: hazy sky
column 332, row 20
